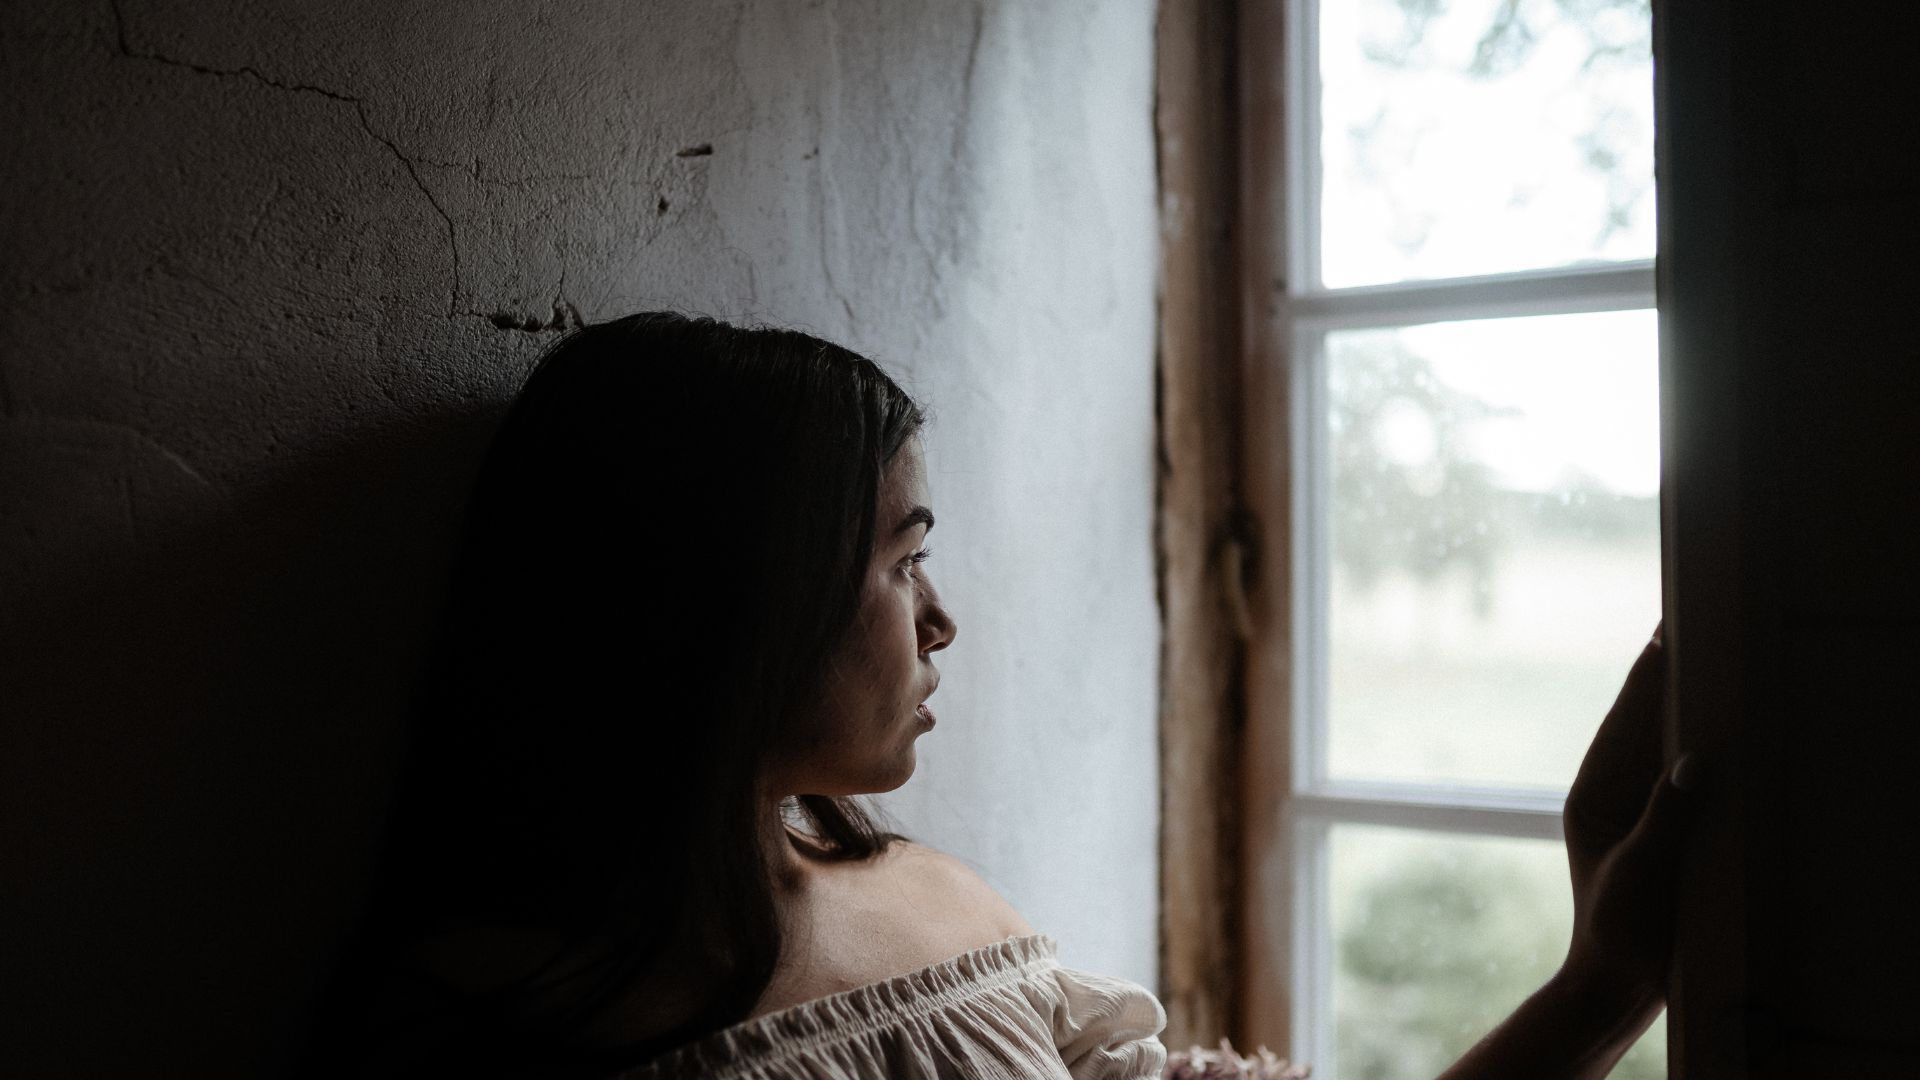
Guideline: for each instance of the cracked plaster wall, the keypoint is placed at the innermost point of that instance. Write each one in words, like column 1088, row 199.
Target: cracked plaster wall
column 271, row 269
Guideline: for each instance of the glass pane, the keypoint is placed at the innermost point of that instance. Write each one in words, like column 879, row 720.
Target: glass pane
column 1435, row 939
column 1481, row 136
column 1495, row 547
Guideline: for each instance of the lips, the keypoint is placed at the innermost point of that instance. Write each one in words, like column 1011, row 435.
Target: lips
column 925, row 713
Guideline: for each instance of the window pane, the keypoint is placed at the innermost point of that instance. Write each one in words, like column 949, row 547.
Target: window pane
column 1481, row 136
column 1435, row 939
column 1495, row 551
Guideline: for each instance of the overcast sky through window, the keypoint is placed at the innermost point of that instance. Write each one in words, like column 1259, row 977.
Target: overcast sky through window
column 1452, row 148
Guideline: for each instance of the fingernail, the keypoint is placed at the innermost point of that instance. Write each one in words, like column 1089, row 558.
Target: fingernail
column 1689, row 773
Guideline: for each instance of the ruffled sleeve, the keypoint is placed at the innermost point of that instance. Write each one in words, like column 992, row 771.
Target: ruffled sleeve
column 1107, row 1028
column 1005, row 1011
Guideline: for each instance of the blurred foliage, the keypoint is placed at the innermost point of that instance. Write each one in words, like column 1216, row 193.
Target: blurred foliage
column 1617, row 33
column 1421, row 514
column 1583, row 507
column 1439, row 950
column 1440, row 509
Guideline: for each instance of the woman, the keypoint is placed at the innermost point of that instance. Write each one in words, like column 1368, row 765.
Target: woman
column 692, row 619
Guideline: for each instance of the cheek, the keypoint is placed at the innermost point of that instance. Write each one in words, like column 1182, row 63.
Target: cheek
column 887, row 616
column 891, row 650
column 903, row 631
column 883, row 639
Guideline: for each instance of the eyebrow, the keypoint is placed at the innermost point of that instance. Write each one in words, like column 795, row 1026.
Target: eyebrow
column 919, row 515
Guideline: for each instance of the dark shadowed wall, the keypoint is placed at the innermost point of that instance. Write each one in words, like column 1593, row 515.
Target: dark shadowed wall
column 269, row 272
column 1790, row 218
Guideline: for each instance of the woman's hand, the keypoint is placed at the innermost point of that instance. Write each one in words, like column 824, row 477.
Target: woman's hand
column 1625, row 818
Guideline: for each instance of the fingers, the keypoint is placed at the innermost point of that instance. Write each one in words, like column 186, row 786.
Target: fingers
column 1624, row 913
column 1632, row 725
column 1648, row 861
column 1623, row 764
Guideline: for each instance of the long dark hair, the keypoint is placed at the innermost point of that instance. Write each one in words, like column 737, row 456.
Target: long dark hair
column 666, row 544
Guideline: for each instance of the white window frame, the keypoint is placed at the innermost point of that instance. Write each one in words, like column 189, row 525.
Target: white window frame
column 1306, row 315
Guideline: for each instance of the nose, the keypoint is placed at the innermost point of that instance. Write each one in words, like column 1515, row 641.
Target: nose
column 935, row 625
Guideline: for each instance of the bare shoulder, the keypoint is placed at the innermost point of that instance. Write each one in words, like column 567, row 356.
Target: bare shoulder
column 941, row 883
column 902, row 911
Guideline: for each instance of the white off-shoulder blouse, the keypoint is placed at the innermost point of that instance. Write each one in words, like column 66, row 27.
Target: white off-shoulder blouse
column 1004, row 1010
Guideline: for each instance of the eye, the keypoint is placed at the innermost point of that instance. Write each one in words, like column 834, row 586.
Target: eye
column 915, row 559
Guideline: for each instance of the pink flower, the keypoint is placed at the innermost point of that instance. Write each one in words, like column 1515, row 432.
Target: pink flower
column 1225, row 1064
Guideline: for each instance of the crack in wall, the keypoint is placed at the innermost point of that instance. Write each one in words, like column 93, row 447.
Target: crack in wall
column 126, row 49
column 565, row 317
column 824, row 176
column 969, row 78
column 474, row 170
column 56, row 421
column 453, row 238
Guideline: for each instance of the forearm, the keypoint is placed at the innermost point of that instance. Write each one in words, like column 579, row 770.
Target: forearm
column 1568, row 1030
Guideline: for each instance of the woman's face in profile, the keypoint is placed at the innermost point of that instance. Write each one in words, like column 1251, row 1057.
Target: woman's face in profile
column 871, row 706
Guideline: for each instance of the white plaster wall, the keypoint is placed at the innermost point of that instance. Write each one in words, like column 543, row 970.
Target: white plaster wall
column 1037, row 359
column 271, row 269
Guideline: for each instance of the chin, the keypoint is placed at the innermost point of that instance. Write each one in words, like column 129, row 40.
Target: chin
column 870, row 776
column 901, row 783
column 893, row 775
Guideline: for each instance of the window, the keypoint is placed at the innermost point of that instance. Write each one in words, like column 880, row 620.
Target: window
column 1469, row 311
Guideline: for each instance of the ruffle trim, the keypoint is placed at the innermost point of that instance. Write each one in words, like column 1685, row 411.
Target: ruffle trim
column 849, row 1014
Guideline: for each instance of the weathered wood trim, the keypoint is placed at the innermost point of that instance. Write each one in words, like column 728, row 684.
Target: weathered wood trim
column 1264, row 1011
column 1202, row 556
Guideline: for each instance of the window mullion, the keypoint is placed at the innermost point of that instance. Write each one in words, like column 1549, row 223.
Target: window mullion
column 1312, row 539
column 1546, row 292
column 1303, row 144
column 1526, row 819
column 1312, row 975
